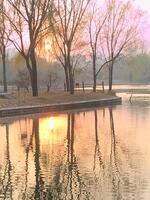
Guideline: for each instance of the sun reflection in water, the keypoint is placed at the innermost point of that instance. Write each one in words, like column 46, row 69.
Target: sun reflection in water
column 51, row 123
column 52, row 129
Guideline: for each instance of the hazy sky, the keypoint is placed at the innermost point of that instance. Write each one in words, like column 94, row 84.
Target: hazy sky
column 145, row 5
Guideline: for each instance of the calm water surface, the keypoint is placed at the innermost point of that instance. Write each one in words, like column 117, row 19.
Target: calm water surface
column 101, row 154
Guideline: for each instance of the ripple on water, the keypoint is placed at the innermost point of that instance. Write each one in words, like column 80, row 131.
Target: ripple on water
column 101, row 154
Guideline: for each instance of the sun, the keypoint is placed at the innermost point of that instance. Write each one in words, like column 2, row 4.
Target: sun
column 48, row 44
column 44, row 48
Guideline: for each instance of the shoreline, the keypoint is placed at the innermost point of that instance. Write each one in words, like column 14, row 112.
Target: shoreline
column 56, row 107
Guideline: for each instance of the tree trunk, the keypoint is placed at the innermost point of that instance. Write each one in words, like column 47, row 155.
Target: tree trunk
column 71, row 76
column 111, row 75
column 4, row 71
column 71, row 84
column 71, row 79
column 34, row 87
column 94, row 73
column 67, row 79
column 94, row 84
column 33, row 74
column 38, row 179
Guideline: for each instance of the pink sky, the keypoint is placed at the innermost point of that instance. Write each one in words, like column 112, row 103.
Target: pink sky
column 145, row 5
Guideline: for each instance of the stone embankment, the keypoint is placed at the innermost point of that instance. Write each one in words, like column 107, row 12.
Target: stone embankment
column 43, row 108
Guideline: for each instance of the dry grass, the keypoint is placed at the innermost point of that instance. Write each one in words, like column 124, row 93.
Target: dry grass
column 24, row 98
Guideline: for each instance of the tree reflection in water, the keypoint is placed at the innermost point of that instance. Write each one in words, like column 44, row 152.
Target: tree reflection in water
column 39, row 183
column 106, row 171
column 114, row 165
column 75, row 187
column 68, row 182
column 97, row 153
column 58, row 169
column 123, row 173
column 27, row 151
column 5, row 182
column 40, row 192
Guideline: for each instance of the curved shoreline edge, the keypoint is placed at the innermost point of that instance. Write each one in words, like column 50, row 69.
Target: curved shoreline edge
column 25, row 110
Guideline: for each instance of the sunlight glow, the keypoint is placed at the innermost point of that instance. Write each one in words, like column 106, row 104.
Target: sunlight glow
column 48, row 44
column 51, row 123
column 52, row 129
column 45, row 48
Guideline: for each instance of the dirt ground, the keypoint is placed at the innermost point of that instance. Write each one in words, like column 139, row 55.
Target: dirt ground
column 24, row 98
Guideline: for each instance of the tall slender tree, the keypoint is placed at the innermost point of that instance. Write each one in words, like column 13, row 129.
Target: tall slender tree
column 28, row 19
column 66, row 25
column 95, row 27
column 120, row 32
column 4, row 38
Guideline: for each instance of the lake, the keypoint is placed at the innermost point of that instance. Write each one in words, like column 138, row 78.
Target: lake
column 100, row 154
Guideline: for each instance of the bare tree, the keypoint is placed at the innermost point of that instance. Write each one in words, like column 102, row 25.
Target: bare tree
column 27, row 19
column 120, row 32
column 95, row 27
column 51, row 80
column 66, row 27
column 4, row 38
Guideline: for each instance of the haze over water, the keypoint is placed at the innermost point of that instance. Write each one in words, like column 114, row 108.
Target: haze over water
column 98, row 154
